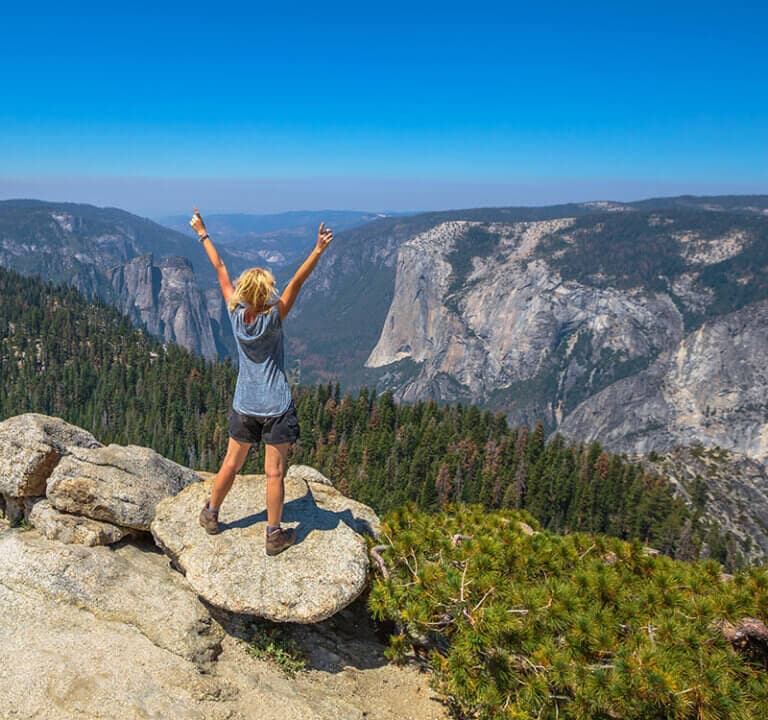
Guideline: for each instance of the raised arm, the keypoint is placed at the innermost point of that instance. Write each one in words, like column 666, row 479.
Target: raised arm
column 218, row 264
column 291, row 292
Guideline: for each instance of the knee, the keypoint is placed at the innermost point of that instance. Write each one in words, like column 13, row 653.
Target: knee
column 230, row 467
column 274, row 475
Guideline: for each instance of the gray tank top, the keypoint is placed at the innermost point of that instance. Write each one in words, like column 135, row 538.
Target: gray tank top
column 262, row 388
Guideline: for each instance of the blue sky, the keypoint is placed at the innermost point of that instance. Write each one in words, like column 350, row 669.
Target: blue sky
column 381, row 106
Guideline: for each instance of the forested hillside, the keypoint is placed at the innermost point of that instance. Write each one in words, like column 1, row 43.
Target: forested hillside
column 85, row 363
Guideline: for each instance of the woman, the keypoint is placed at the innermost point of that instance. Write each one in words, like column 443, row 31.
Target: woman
column 262, row 408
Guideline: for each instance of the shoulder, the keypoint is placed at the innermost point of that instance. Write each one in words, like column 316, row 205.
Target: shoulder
column 236, row 311
column 270, row 319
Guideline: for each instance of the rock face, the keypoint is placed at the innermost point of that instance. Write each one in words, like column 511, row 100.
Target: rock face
column 322, row 573
column 710, row 389
column 558, row 314
column 115, row 484
column 129, row 585
column 166, row 300
column 511, row 321
column 30, row 447
column 68, row 663
column 73, row 529
column 108, row 253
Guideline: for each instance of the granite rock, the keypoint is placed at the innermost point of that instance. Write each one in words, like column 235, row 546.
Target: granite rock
column 117, row 484
column 322, row 573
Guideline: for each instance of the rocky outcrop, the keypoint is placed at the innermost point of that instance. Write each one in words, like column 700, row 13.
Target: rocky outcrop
column 166, row 300
column 130, row 585
column 116, row 484
column 321, row 574
column 107, row 633
column 30, row 447
column 710, row 389
column 73, row 529
column 101, row 495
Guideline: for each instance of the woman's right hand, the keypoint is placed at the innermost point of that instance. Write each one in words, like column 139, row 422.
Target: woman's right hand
column 324, row 237
column 197, row 224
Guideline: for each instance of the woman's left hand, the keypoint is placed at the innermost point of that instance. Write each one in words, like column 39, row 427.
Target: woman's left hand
column 197, row 224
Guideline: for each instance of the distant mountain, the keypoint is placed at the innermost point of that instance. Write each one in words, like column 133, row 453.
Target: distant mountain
column 155, row 275
column 639, row 324
column 278, row 239
column 748, row 204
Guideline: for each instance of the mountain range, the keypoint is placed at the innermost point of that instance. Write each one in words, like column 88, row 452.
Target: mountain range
column 155, row 275
column 641, row 324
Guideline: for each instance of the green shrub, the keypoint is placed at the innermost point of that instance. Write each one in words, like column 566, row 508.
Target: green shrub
column 518, row 625
column 271, row 642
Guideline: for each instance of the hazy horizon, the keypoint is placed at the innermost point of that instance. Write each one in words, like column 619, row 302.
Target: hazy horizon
column 160, row 198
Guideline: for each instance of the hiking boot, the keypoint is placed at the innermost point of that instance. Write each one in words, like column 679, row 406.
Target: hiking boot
column 209, row 520
column 279, row 540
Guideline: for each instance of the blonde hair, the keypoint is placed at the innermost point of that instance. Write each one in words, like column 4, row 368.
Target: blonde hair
column 256, row 288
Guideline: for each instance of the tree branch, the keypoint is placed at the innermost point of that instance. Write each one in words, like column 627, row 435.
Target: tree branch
column 380, row 560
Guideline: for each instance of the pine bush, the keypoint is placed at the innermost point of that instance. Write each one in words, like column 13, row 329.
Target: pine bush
column 583, row 626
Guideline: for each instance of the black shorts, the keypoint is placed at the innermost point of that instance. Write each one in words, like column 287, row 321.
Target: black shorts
column 271, row 430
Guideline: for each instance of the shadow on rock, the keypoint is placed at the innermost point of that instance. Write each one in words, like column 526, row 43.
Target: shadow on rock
column 309, row 516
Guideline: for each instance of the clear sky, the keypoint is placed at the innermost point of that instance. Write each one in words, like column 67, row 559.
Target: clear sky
column 272, row 106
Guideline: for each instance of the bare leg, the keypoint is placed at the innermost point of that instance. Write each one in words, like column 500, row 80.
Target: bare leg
column 275, row 460
column 235, row 458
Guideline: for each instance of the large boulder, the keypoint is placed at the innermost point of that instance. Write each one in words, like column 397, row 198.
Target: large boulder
column 131, row 585
column 325, row 571
column 74, row 529
column 31, row 445
column 116, row 484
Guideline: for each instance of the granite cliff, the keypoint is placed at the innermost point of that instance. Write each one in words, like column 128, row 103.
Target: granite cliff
column 110, row 254
column 638, row 324
column 165, row 299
